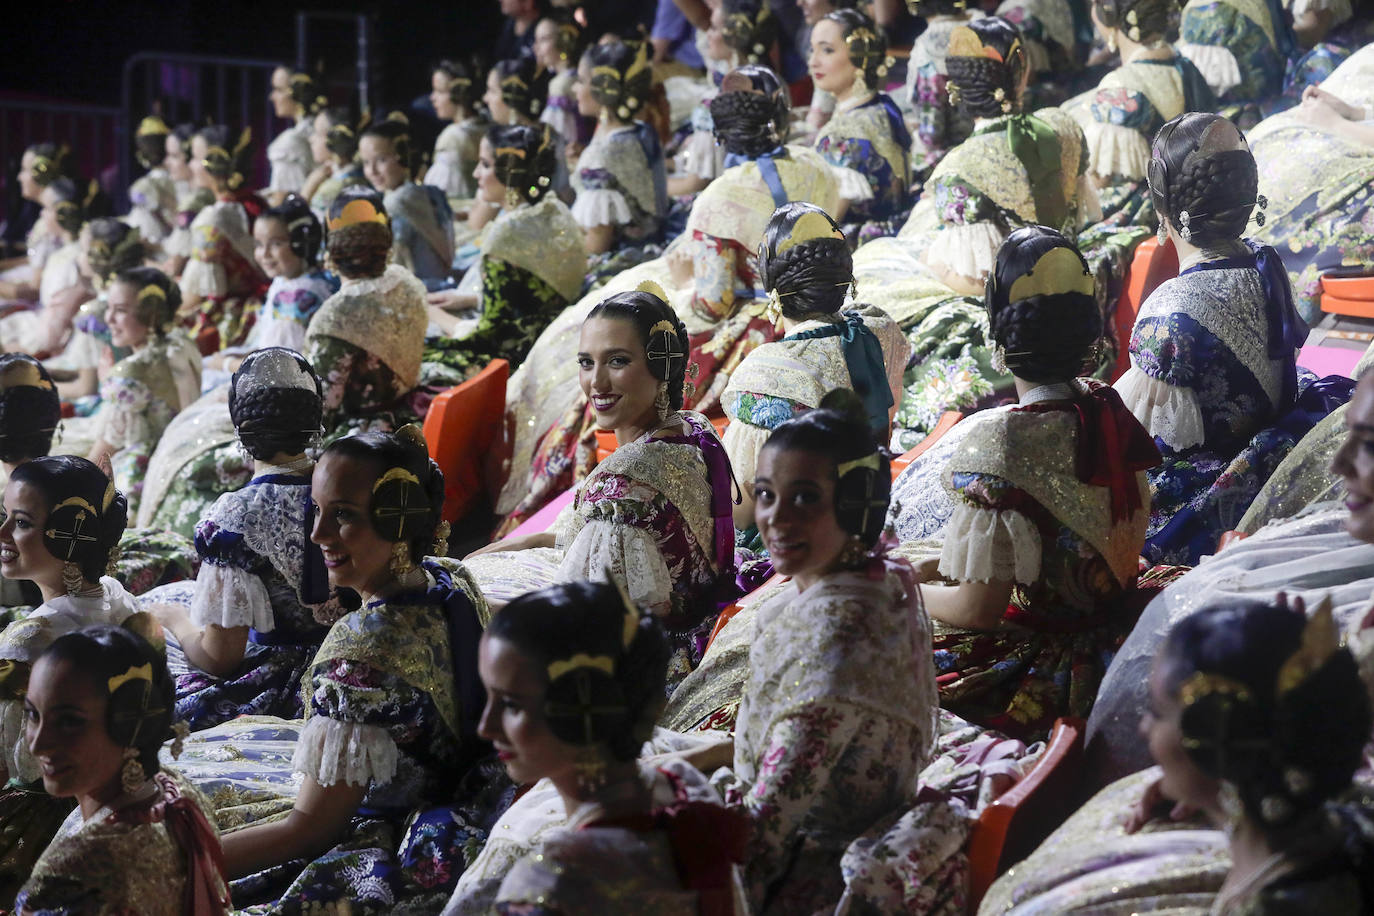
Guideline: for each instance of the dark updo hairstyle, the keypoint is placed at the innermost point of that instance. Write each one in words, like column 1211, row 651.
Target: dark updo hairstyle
column 1047, row 336
column 303, row 230
column 927, row 8
column 51, row 162
column 982, row 85
column 1216, row 188
column 559, row 626
column 524, row 85
column 622, row 76
column 1286, row 751
column 404, row 451
column 652, row 317
column 70, row 203
column 306, row 92
column 750, row 29
column 396, row 130
column 523, row 158
column 464, row 88
column 839, row 432
column 227, row 158
column 81, row 499
column 140, row 709
column 270, row 405
column 156, row 297
column 342, row 137
column 811, row 276
column 115, row 246
column 569, row 38
column 30, row 408
column 1144, row 21
column 358, row 249
column 865, row 44
column 750, row 115
column 150, row 142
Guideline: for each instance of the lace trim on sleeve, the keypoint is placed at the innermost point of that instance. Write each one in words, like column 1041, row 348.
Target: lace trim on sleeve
column 632, row 556
column 1168, row 411
column 852, row 185
column 601, row 207
column 969, row 250
column 1217, row 65
column 330, row 752
column 1089, row 201
column 228, row 596
column 982, row 545
column 204, row 278
column 698, row 155
column 1116, row 151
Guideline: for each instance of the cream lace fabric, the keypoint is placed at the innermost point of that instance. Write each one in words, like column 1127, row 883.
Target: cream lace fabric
column 208, row 278
column 631, row 554
column 227, row 596
column 289, row 154
column 852, row 185
column 983, row 545
column 1167, row 411
column 969, row 250
column 601, row 207
column 1217, row 65
column 331, row 751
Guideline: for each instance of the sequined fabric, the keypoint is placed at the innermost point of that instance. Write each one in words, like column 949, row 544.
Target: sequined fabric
column 382, row 315
column 543, row 239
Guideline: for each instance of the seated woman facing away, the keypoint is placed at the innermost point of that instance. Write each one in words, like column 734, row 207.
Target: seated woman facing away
column 1257, row 718
column 656, row 513
column 247, row 625
column 1050, row 508
column 639, row 836
column 393, row 698
column 98, row 710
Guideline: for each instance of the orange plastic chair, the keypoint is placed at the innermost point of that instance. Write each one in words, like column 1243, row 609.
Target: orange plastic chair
column 462, row 427
column 942, row 426
column 1151, row 265
column 1349, row 296
column 1011, row 827
column 1228, row 538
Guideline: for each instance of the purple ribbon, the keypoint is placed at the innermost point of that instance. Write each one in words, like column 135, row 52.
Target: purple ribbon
column 722, row 478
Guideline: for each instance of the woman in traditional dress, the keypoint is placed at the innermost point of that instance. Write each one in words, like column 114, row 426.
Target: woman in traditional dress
column 808, row 270
column 420, row 217
column 151, row 385
column 558, row 48
column 1321, row 216
column 296, row 98
column 153, row 196
column 1257, row 718
column 1050, row 509
column 656, row 513
column 1121, row 116
column 191, row 199
column 937, row 123
column 393, row 700
column 1212, row 374
column 44, row 329
column 30, row 411
column 454, row 95
column 63, row 519
column 1242, row 48
column 622, row 194
column 517, row 92
column 639, row 834
column 334, row 145
column 221, row 285
column 865, row 140
column 247, row 624
column 838, row 710
column 39, row 166
column 365, row 343
column 532, row 261
column 99, row 709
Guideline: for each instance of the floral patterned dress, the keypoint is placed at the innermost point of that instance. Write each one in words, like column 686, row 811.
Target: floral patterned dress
column 223, row 274
column 938, row 125
column 1022, row 514
column 531, row 267
column 868, row 145
column 828, row 741
column 259, row 570
column 1241, row 47
column 392, row 702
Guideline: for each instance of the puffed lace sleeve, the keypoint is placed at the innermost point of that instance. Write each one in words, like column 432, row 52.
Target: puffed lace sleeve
column 1216, row 63
column 988, row 538
column 14, row 744
column 613, row 541
column 347, row 738
column 600, row 202
column 124, row 407
column 1115, row 134
column 1157, row 389
column 229, row 592
column 851, row 183
column 967, row 241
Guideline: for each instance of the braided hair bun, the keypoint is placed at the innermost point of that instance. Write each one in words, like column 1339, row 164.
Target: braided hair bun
column 524, row 85
column 306, row 92
column 865, row 44
column 68, row 204
column 30, row 408
column 524, row 158
column 226, row 158
column 359, row 241
column 275, row 403
column 622, row 76
column 464, row 88
column 805, row 259
column 1041, row 307
column 341, row 139
column 986, row 64
column 660, row 331
column 1203, row 178
column 393, row 497
column 1144, row 21
column 597, row 652
column 750, row 115
column 750, row 29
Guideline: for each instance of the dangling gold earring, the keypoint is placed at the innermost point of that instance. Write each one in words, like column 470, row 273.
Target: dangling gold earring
column 860, row 87
column 661, row 403
column 1111, row 41
column 131, row 774
column 998, row 360
column 441, row 533
column 590, row 767
column 854, row 554
column 400, row 559
column 72, row 580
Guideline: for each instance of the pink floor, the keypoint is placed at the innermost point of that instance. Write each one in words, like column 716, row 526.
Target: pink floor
column 1324, row 361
